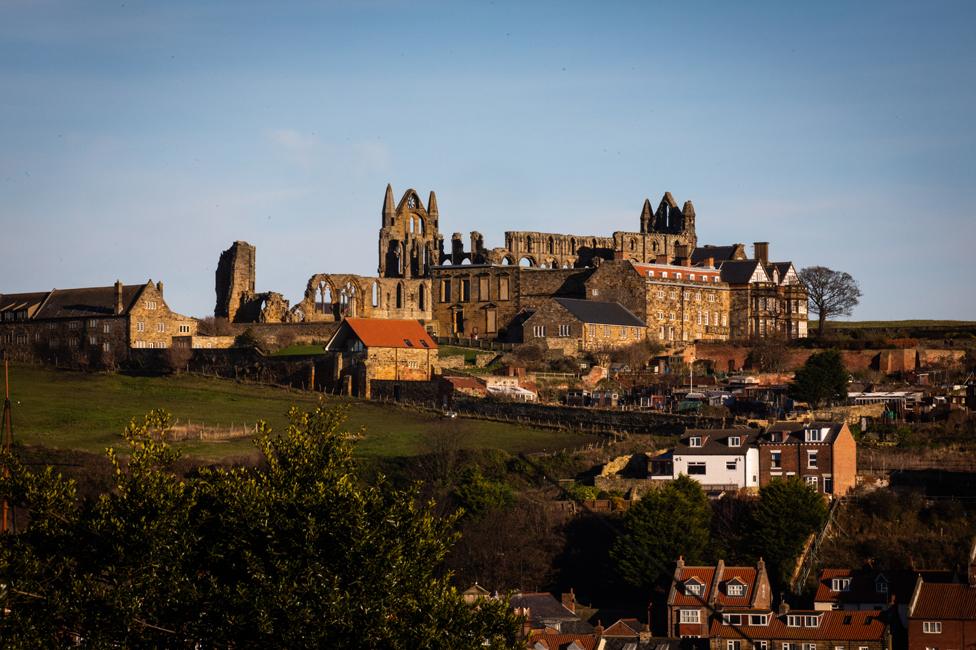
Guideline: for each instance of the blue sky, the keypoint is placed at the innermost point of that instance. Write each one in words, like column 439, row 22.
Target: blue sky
column 139, row 139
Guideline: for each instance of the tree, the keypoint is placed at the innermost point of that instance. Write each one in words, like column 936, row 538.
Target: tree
column 666, row 523
column 788, row 512
column 298, row 553
column 823, row 378
column 831, row 293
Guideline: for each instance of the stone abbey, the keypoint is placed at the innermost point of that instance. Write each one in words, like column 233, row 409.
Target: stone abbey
column 675, row 290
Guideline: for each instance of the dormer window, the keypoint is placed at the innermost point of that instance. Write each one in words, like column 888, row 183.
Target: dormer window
column 793, row 620
column 693, row 587
column 735, row 588
column 840, row 584
column 735, row 441
column 758, row 619
column 811, row 621
column 695, row 441
column 881, row 585
column 812, row 435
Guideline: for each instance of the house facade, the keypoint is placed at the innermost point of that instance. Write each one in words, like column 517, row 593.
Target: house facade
column 822, row 454
column 943, row 616
column 719, row 459
column 582, row 326
column 700, row 593
column 800, row 630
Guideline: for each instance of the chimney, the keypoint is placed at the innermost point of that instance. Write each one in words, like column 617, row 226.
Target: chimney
column 761, row 249
column 569, row 601
column 598, row 628
column 784, row 607
column 118, row 297
column 683, row 253
column 710, row 262
column 159, row 288
column 661, row 259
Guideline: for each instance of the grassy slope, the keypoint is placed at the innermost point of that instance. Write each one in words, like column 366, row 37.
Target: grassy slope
column 86, row 411
column 893, row 324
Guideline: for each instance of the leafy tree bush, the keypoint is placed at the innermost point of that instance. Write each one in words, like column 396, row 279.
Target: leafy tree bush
column 298, row 554
column 478, row 494
column 788, row 512
column 666, row 523
column 822, row 378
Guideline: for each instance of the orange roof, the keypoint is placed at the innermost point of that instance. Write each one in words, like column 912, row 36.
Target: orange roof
column 834, row 625
column 391, row 333
column 702, row 574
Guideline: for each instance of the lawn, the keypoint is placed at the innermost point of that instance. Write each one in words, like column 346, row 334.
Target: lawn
column 71, row 410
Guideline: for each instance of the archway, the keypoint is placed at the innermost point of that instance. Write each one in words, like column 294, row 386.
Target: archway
column 526, row 261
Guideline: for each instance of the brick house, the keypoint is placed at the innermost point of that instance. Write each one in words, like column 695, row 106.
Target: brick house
column 365, row 349
column 871, row 589
column 800, row 630
column 822, row 454
column 700, row 593
column 942, row 616
column 91, row 324
column 582, row 325
column 719, row 459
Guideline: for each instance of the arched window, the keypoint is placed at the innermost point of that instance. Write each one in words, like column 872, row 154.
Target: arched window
column 552, row 246
column 399, row 296
column 528, row 243
column 572, row 246
column 376, row 294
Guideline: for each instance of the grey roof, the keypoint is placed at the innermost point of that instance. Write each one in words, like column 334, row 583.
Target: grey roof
column 718, row 253
column 19, row 301
column 90, row 302
column 715, row 442
column 794, row 431
column 542, row 606
column 600, row 313
column 737, row 271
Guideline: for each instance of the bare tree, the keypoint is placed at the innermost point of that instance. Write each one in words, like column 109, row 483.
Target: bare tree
column 832, row 293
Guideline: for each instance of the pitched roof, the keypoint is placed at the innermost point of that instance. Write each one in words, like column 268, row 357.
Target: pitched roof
column 19, row 301
column 740, row 271
column 715, row 442
column 863, row 585
column 834, row 625
column 793, row 432
column 562, row 641
column 88, row 302
column 717, row 253
column 625, row 627
column 945, row 601
column 600, row 313
column 390, row 333
column 542, row 605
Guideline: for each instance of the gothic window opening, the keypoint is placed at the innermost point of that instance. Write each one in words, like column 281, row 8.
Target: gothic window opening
column 376, row 294
column 399, row 296
column 422, row 300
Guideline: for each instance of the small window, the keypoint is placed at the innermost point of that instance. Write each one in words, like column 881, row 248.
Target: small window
column 761, row 645
column 564, row 330
column 736, row 589
column 539, row 331
column 140, row 326
column 735, row 441
column 733, row 644
column 776, row 459
column 758, row 619
column 693, row 587
column 794, row 621
column 106, row 328
column 731, row 465
column 93, row 340
column 695, row 441
column 160, row 326
column 107, row 347
column 881, row 585
column 811, row 621
column 696, row 468
column 840, row 584
column 408, row 343
column 690, row 616
column 932, row 627
column 424, row 343
column 92, row 323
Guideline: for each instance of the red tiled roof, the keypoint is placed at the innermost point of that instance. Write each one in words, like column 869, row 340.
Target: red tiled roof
column 745, row 575
column 834, row 625
column 562, row 641
column 946, row 601
column 390, row 333
column 863, row 588
column 704, row 575
column 625, row 627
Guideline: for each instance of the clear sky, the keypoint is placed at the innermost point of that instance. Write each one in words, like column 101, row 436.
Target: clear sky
column 139, row 139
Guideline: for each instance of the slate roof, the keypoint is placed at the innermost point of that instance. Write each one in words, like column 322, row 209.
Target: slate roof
column 718, row 253
column 89, row 302
column 390, row 333
column 562, row 641
column 946, row 602
column 863, row 586
column 625, row 627
column 600, row 313
column 542, row 606
column 793, row 432
column 715, row 442
column 738, row 271
column 834, row 625
column 782, row 267
column 610, row 643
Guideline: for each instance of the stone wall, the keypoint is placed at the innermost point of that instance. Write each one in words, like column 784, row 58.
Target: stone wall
column 151, row 322
column 234, row 279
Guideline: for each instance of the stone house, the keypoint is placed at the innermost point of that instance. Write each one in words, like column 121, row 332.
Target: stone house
column 719, row 459
column 574, row 326
column 943, row 615
column 701, row 594
column 89, row 325
column 365, row 349
column 799, row 630
column 767, row 298
column 679, row 302
column 822, row 454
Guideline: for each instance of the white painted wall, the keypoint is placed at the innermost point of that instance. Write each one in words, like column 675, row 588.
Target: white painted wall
column 745, row 473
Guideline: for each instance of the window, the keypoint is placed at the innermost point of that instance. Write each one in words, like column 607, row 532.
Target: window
column 445, row 291
column 93, row 340
column 503, row 288
column 483, row 282
column 564, row 330
column 809, row 646
column 711, row 297
column 184, row 329
column 689, row 616
column 140, row 326
column 811, row 621
column 881, row 585
column 812, row 459
column 733, row 644
column 677, row 276
column 693, row 587
column 696, row 468
column 691, row 276
column 812, row 435
column 160, row 326
column 776, row 458
column 840, row 584
column 735, row 588
column 671, row 316
column 150, row 304
column 758, row 619
column 106, row 347
column 539, row 331
column 706, row 319
column 694, row 441
column 672, row 294
column 731, row 465
column 732, row 619
column 932, row 627
column 92, row 323
column 491, row 324
column 828, row 484
column 73, row 325
column 465, row 290
column 735, row 441
column 660, row 294
column 106, row 328
column 761, row 645
column 660, row 316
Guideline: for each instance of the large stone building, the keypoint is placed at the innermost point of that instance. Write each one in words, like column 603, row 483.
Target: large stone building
column 684, row 293
column 90, row 325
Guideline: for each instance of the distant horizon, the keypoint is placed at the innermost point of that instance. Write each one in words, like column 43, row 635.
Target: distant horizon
column 141, row 139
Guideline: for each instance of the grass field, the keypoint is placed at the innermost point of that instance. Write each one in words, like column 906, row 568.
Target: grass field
column 70, row 410
column 893, row 324
column 299, row 350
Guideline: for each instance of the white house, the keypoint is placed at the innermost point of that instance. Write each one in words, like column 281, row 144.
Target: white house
column 719, row 459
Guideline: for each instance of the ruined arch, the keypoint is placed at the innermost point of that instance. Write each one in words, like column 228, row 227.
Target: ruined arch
column 552, row 245
column 508, row 260
column 527, row 261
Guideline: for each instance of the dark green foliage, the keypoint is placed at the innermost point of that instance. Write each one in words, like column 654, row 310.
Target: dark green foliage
column 667, row 522
column 298, row 554
column 478, row 494
column 822, row 379
column 788, row 512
